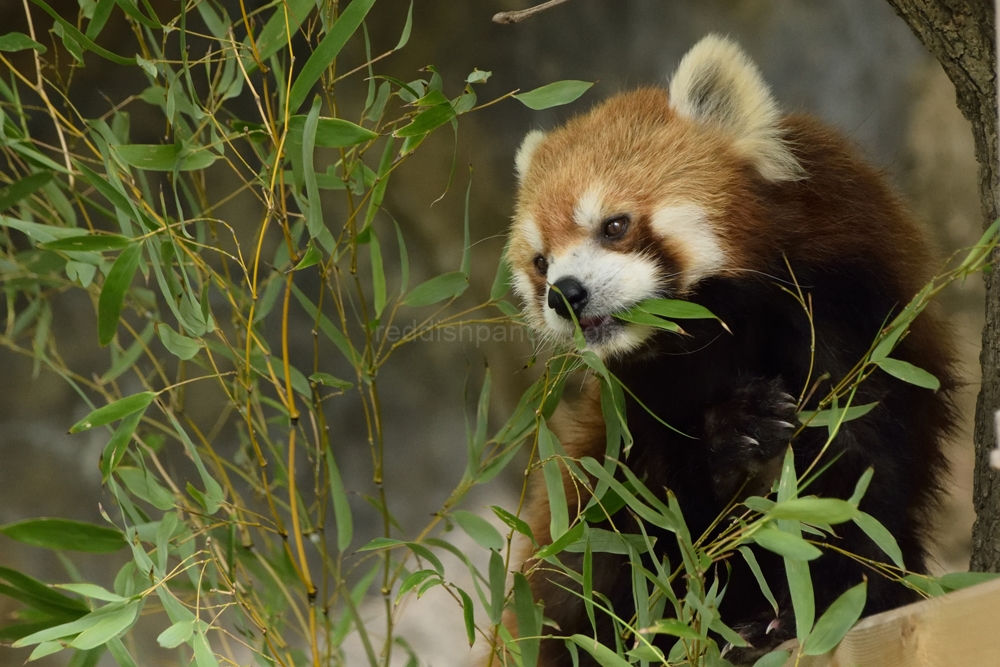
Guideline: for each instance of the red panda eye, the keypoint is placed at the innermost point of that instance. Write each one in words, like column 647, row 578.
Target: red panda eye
column 541, row 264
column 615, row 227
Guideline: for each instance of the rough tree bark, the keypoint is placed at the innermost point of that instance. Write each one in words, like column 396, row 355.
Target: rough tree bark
column 961, row 34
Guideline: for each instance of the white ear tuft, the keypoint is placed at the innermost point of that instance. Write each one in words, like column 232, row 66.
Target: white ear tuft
column 717, row 83
column 524, row 153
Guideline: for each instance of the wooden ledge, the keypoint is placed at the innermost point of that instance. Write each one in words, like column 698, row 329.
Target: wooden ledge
column 960, row 629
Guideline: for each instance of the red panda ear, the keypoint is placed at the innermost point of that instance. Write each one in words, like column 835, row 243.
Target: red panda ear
column 717, row 83
column 526, row 151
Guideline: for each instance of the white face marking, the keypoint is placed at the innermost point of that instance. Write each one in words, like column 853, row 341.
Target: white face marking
column 589, row 210
column 686, row 227
column 530, row 232
column 614, row 282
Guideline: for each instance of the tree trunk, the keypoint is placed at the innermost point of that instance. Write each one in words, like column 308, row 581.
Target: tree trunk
column 961, row 34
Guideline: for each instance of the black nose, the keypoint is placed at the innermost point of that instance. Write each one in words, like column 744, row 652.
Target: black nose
column 574, row 292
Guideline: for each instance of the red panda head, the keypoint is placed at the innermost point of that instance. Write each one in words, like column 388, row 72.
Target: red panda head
column 645, row 196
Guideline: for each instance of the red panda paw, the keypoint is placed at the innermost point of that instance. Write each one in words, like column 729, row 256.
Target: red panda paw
column 747, row 432
column 762, row 636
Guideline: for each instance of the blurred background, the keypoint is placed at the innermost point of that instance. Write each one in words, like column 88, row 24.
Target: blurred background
column 852, row 62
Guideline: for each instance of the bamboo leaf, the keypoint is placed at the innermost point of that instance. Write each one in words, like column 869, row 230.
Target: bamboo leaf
column 815, row 510
column 439, row 288
column 109, row 304
column 327, row 50
column 773, row 659
column 341, row 507
column 114, row 411
column 18, row 41
column 63, row 534
column 909, row 373
column 836, row 621
column 604, row 656
column 28, row 185
column 497, row 578
column 89, row 243
column 553, row 94
column 528, row 626
column 427, row 120
column 329, row 132
column 180, row 346
column 479, row 529
column 115, row 450
column 786, row 544
column 880, row 536
column 828, row 417
column 165, row 157
column 314, row 210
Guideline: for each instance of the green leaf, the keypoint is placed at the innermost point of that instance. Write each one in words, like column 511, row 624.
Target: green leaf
column 115, row 450
column 497, row 579
column 203, row 656
column 176, row 634
column 314, row 208
column 327, row 50
column 954, row 581
column 528, row 625
column 567, row 538
column 548, row 447
column 518, row 525
column 414, row 580
column 108, row 626
column 328, row 380
column 907, row 372
column 274, row 35
column 141, row 483
column 18, row 41
column 468, row 609
column 165, row 157
column 785, row 544
column 311, row 257
column 439, row 288
column 114, row 411
column 553, row 94
column 837, row 620
column 427, row 120
column 861, row 487
column 751, row 560
column 815, row 510
column 63, row 534
column 92, row 591
column 89, row 243
column 378, row 274
column 604, row 656
column 637, row 316
column 673, row 627
column 880, row 535
column 341, row 506
column 477, row 439
column 330, row 132
column 109, row 305
column 40, row 596
column 773, row 659
column 828, row 417
column 676, row 309
column 479, row 529
column 25, row 187
column 180, row 346
column 501, row 283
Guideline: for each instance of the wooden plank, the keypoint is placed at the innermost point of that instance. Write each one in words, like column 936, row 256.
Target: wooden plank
column 960, row 629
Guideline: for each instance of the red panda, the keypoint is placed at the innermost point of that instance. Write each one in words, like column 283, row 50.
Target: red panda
column 706, row 192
